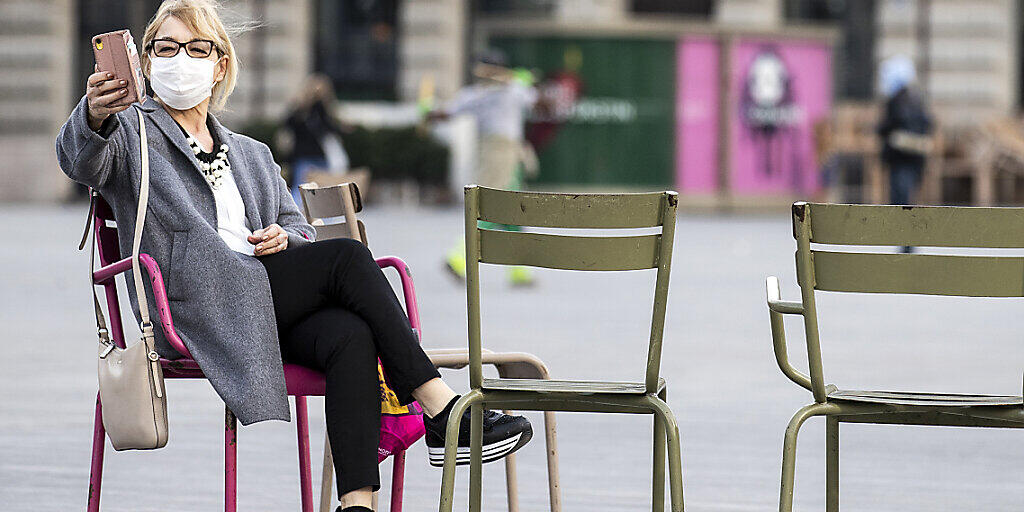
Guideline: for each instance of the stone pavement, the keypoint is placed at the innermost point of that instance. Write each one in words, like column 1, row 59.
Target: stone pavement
column 731, row 399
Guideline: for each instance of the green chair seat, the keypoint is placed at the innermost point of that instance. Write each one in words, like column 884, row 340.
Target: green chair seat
column 925, row 399
column 570, row 386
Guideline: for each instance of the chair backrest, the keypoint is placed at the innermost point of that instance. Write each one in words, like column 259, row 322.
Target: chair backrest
column 830, row 269
column 359, row 177
column 594, row 253
column 106, row 235
column 332, row 210
column 109, row 251
column 927, row 274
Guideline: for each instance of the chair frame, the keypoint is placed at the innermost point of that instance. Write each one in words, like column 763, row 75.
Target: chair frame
column 595, row 211
column 301, row 382
column 344, row 200
column 821, row 270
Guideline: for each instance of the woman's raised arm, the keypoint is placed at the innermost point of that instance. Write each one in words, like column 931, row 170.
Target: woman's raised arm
column 92, row 135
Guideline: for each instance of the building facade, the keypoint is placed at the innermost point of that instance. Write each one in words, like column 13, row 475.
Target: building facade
column 45, row 57
column 968, row 52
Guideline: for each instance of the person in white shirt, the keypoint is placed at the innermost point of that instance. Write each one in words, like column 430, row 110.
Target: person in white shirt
column 499, row 101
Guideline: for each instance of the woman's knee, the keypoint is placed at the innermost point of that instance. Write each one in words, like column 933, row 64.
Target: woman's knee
column 351, row 341
column 347, row 246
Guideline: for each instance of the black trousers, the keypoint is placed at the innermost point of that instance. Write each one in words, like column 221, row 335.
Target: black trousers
column 337, row 313
column 904, row 181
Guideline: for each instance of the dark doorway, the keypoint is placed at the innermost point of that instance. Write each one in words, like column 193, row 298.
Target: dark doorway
column 357, row 47
column 854, row 69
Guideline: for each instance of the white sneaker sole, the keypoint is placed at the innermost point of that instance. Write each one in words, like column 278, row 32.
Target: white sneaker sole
column 491, row 452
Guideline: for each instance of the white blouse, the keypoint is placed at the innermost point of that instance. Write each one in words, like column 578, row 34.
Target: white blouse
column 232, row 224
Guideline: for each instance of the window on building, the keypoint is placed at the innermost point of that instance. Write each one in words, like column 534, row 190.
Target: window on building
column 697, row 8
column 527, row 7
column 854, row 68
column 100, row 16
column 357, row 47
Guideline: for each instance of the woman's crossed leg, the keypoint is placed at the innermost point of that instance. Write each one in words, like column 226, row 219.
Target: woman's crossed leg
column 336, row 312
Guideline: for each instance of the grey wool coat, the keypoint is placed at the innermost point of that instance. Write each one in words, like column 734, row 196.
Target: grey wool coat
column 220, row 299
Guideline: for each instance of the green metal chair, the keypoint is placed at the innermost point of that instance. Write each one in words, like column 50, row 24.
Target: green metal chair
column 341, row 202
column 611, row 253
column 859, row 272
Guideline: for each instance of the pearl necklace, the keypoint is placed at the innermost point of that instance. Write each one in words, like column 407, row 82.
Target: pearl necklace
column 215, row 171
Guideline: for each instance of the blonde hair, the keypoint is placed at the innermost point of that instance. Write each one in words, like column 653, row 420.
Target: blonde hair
column 202, row 18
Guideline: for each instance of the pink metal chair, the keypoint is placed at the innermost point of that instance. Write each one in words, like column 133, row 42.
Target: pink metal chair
column 301, row 381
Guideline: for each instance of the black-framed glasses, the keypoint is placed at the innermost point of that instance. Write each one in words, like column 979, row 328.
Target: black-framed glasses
column 196, row 48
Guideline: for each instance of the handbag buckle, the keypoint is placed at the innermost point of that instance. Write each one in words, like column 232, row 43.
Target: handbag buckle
column 106, row 352
column 153, row 356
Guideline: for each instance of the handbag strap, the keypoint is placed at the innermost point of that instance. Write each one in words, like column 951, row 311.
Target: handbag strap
column 140, row 291
column 140, row 220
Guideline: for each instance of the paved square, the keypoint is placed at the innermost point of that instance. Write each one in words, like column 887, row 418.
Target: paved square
column 732, row 401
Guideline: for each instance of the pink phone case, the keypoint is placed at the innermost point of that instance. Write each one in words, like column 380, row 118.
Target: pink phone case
column 115, row 52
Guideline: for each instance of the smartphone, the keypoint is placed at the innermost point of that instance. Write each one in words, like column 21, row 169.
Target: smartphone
column 116, row 53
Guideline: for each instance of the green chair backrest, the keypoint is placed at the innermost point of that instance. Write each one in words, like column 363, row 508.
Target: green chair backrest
column 829, row 269
column 566, row 252
column 935, row 226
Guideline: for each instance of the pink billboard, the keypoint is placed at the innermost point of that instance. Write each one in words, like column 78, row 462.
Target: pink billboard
column 697, row 115
column 777, row 90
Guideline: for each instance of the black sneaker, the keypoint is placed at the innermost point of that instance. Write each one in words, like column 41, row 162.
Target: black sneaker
column 503, row 434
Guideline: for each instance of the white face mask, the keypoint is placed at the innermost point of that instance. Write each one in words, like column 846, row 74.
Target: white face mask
column 182, row 82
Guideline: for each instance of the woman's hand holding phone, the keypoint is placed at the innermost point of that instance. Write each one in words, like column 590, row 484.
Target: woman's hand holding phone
column 102, row 92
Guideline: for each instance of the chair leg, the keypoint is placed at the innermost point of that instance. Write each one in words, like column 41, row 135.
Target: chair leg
column 675, row 463
column 476, row 456
column 832, row 464
column 789, row 452
column 230, row 461
column 550, row 438
column 658, row 472
column 327, row 477
column 302, row 431
column 397, row 481
column 511, row 481
column 99, row 443
column 451, row 450
column 554, row 486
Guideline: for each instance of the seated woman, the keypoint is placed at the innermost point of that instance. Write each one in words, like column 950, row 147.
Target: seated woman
column 247, row 284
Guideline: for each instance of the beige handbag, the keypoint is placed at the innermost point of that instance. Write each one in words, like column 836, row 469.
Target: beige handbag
column 131, row 380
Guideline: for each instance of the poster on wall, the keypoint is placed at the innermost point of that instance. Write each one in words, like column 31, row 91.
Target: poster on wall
column 697, row 116
column 778, row 89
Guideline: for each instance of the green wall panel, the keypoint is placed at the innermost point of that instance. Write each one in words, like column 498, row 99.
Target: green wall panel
column 622, row 130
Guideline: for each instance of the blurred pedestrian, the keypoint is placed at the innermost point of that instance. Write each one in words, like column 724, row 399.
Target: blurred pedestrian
column 905, row 130
column 557, row 96
column 311, row 136
column 499, row 100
